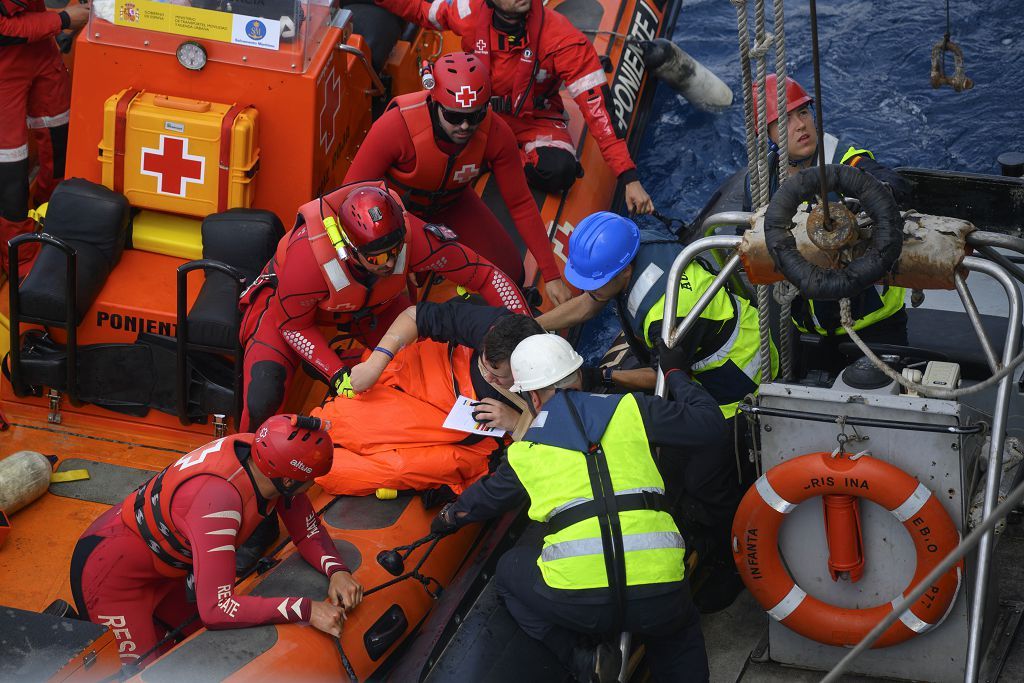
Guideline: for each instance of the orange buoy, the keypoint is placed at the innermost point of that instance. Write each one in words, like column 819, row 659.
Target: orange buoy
column 779, row 490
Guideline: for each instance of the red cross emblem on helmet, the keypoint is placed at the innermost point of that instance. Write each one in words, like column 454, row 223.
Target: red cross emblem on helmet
column 462, row 82
column 466, row 97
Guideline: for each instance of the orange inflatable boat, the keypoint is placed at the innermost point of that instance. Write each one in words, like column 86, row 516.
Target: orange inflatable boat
column 195, row 134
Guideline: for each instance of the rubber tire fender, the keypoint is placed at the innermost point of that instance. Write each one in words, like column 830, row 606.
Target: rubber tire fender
column 880, row 256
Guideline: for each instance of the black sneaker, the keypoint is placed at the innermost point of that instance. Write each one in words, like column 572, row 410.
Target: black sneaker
column 598, row 664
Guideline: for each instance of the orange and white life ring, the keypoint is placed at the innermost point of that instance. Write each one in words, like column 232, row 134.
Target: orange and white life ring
column 778, row 491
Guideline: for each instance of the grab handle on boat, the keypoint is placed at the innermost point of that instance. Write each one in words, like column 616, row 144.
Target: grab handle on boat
column 378, row 88
column 70, row 322
column 183, row 345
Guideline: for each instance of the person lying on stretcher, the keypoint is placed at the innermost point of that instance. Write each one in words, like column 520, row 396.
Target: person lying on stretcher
column 390, row 433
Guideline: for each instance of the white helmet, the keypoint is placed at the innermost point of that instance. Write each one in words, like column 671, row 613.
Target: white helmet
column 541, row 361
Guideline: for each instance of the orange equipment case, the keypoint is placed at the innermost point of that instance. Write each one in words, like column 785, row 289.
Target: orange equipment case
column 178, row 155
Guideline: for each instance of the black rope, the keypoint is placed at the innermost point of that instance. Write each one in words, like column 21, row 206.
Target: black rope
column 345, row 663
column 827, row 222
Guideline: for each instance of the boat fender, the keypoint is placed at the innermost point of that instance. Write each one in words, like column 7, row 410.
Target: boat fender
column 778, row 492
column 24, row 476
column 883, row 248
column 684, row 74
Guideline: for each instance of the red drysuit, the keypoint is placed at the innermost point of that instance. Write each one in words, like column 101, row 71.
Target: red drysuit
column 306, row 285
column 35, row 95
column 435, row 180
column 133, row 575
column 526, row 77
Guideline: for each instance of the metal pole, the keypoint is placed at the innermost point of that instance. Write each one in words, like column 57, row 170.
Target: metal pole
column 975, row 318
column 716, row 285
column 687, row 255
column 820, row 123
column 965, row 547
column 995, row 460
column 684, row 258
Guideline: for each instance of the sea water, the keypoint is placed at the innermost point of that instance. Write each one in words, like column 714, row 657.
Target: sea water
column 875, row 60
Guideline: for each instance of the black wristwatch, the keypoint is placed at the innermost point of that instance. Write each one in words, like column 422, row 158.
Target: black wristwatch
column 606, row 378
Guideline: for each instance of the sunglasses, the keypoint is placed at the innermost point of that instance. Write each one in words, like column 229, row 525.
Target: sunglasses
column 457, row 118
column 383, row 257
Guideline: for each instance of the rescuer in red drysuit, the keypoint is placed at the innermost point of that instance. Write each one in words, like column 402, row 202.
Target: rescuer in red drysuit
column 432, row 145
column 530, row 52
column 35, row 95
column 346, row 262
column 134, row 568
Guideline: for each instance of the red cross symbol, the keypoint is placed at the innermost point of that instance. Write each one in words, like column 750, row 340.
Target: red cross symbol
column 172, row 166
column 466, row 173
column 466, row 97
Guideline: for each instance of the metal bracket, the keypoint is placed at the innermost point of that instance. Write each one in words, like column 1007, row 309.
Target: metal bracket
column 220, row 426
column 54, row 416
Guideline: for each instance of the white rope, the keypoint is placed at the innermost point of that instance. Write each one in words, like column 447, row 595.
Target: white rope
column 931, row 392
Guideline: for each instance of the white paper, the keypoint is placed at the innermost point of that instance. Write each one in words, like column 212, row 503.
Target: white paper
column 461, row 418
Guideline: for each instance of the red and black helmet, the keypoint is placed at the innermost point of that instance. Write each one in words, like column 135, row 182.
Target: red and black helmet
column 372, row 219
column 461, row 82
column 293, row 447
column 796, row 97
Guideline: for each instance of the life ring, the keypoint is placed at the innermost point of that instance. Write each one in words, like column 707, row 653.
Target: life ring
column 878, row 258
column 779, row 490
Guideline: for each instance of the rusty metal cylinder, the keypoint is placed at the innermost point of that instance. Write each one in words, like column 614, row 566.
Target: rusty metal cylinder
column 24, row 476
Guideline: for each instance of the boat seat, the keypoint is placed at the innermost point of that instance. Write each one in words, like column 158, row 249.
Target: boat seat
column 379, row 28
column 244, row 239
column 94, row 221
column 951, row 333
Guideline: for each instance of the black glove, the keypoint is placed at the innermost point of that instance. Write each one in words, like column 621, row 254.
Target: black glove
column 444, row 523
column 671, row 359
column 433, row 498
column 590, row 378
column 596, row 379
column 901, row 188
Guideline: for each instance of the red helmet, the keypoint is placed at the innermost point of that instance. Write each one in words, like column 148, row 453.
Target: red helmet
column 293, row 447
column 796, row 97
column 372, row 219
column 461, row 82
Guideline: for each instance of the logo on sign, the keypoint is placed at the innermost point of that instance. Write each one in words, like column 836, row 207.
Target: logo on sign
column 130, row 13
column 256, row 30
column 172, row 166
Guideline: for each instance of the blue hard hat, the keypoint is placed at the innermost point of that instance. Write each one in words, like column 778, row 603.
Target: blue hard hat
column 600, row 248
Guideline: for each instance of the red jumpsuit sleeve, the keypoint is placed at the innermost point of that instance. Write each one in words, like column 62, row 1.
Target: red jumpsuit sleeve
column 577, row 65
column 463, row 266
column 503, row 157
column 442, row 15
column 208, row 511
column 300, row 287
column 387, row 145
column 30, row 26
column 309, row 537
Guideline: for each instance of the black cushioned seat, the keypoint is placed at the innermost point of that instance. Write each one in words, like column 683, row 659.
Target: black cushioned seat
column 244, row 239
column 94, row 221
column 380, row 28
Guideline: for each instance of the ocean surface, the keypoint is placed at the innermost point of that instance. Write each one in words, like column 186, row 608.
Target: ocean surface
column 876, row 93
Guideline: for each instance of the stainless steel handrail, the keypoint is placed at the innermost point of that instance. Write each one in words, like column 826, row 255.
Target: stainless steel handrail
column 379, row 88
column 669, row 333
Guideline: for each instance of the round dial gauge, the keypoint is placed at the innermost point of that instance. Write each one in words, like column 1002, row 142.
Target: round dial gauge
column 191, row 55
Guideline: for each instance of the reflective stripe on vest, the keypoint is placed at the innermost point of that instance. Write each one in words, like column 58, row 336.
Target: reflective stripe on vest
column 891, row 302
column 557, row 479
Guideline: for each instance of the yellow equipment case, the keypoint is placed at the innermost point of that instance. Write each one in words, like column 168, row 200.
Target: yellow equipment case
column 177, row 155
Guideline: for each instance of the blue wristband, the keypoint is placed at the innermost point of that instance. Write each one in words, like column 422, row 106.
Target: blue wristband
column 387, row 353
